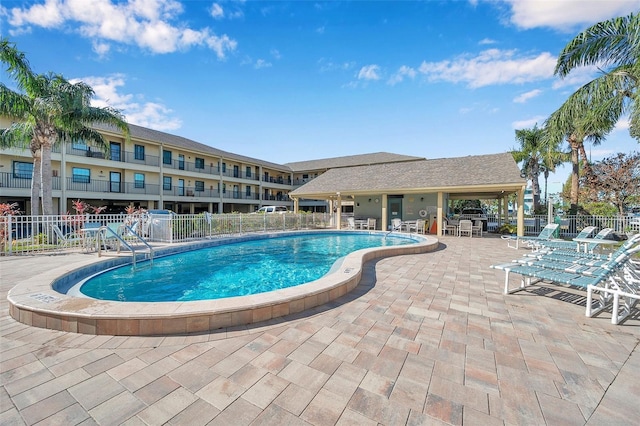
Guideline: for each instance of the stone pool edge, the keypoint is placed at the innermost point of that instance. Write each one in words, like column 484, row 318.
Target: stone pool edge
column 34, row 302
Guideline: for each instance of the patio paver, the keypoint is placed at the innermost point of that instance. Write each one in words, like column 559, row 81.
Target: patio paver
column 424, row 339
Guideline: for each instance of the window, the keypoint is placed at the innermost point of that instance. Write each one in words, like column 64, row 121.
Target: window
column 166, row 157
column 166, row 183
column 79, row 145
column 224, row 188
column 248, row 191
column 138, row 151
column 248, row 172
column 224, row 167
column 181, row 161
column 22, row 170
column 199, row 186
column 114, row 151
column 236, row 171
column 199, row 163
column 138, row 180
column 80, row 175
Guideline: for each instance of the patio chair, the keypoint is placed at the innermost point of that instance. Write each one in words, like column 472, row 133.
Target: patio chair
column 351, row 223
column 625, row 289
column 371, row 223
column 449, row 228
column 396, row 225
column 67, row 240
column 419, row 226
column 465, row 226
column 477, row 228
column 545, row 235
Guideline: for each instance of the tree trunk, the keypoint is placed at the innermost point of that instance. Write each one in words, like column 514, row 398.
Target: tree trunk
column 47, row 181
column 546, row 185
column 586, row 166
column 36, row 181
column 575, row 173
column 47, row 136
column 535, row 185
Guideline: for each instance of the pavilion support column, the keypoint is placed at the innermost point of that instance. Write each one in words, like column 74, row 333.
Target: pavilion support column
column 439, row 214
column 338, row 211
column 521, row 212
column 385, row 213
column 505, row 209
column 296, row 205
column 210, row 207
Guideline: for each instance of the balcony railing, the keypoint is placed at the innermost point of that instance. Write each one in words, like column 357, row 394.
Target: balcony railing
column 9, row 180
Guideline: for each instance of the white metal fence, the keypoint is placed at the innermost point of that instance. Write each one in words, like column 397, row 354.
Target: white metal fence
column 26, row 235
column 20, row 235
column 570, row 226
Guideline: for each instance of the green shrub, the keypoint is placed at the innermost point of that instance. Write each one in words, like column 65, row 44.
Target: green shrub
column 507, row 229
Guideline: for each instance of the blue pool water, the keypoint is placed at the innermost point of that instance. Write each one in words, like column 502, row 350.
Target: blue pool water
column 236, row 269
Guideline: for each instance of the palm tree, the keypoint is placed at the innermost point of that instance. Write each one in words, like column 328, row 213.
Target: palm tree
column 593, row 110
column 49, row 110
column 531, row 154
column 551, row 158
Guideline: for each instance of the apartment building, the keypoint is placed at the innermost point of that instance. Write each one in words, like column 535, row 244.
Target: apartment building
column 154, row 170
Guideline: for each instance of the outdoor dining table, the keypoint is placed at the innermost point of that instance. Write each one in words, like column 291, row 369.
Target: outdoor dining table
column 90, row 238
column 584, row 242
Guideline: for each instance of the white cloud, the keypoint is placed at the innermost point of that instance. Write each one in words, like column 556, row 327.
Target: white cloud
column 486, row 41
column 566, row 16
column 275, row 53
column 524, row 97
column 216, row 11
column 261, row 63
column 369, row 72
column 100, row 48
column 529, row 123
column 403, row 71
column 328, row 65
column 491, row 67
column 149, row 24
column 147, row 114
column 577, row 77
column 47, row 15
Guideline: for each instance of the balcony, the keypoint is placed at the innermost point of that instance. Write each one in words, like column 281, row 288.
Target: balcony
column 9, row 180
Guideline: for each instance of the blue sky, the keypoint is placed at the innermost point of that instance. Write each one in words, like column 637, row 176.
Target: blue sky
column 292, row 81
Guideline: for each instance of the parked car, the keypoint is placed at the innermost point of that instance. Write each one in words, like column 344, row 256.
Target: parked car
column 272, row 209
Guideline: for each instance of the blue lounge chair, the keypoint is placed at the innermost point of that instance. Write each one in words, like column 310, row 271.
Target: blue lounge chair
column 550, row 245
column 616, row 279
column 545, row 235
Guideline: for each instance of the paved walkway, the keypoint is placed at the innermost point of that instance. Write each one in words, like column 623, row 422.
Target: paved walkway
column 425, row 339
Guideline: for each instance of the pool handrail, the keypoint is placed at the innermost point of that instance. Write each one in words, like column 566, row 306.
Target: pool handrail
column 104, row 230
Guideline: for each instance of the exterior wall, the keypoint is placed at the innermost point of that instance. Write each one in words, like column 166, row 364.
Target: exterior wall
column 202, row 176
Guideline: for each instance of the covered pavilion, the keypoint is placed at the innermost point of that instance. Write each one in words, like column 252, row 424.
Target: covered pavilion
column 418, row 189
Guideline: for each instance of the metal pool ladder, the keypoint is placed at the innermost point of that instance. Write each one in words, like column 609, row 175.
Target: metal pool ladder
column 108, row 233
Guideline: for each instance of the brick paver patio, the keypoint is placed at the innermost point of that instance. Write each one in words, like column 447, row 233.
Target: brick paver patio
column 425, row 339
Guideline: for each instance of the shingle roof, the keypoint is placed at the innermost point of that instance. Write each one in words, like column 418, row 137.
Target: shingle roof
column 350, row 160
column 138, row 132
column 443, row 173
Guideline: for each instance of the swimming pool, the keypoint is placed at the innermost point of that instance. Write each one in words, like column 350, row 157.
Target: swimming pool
column 237, row 269
column 43, row 300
